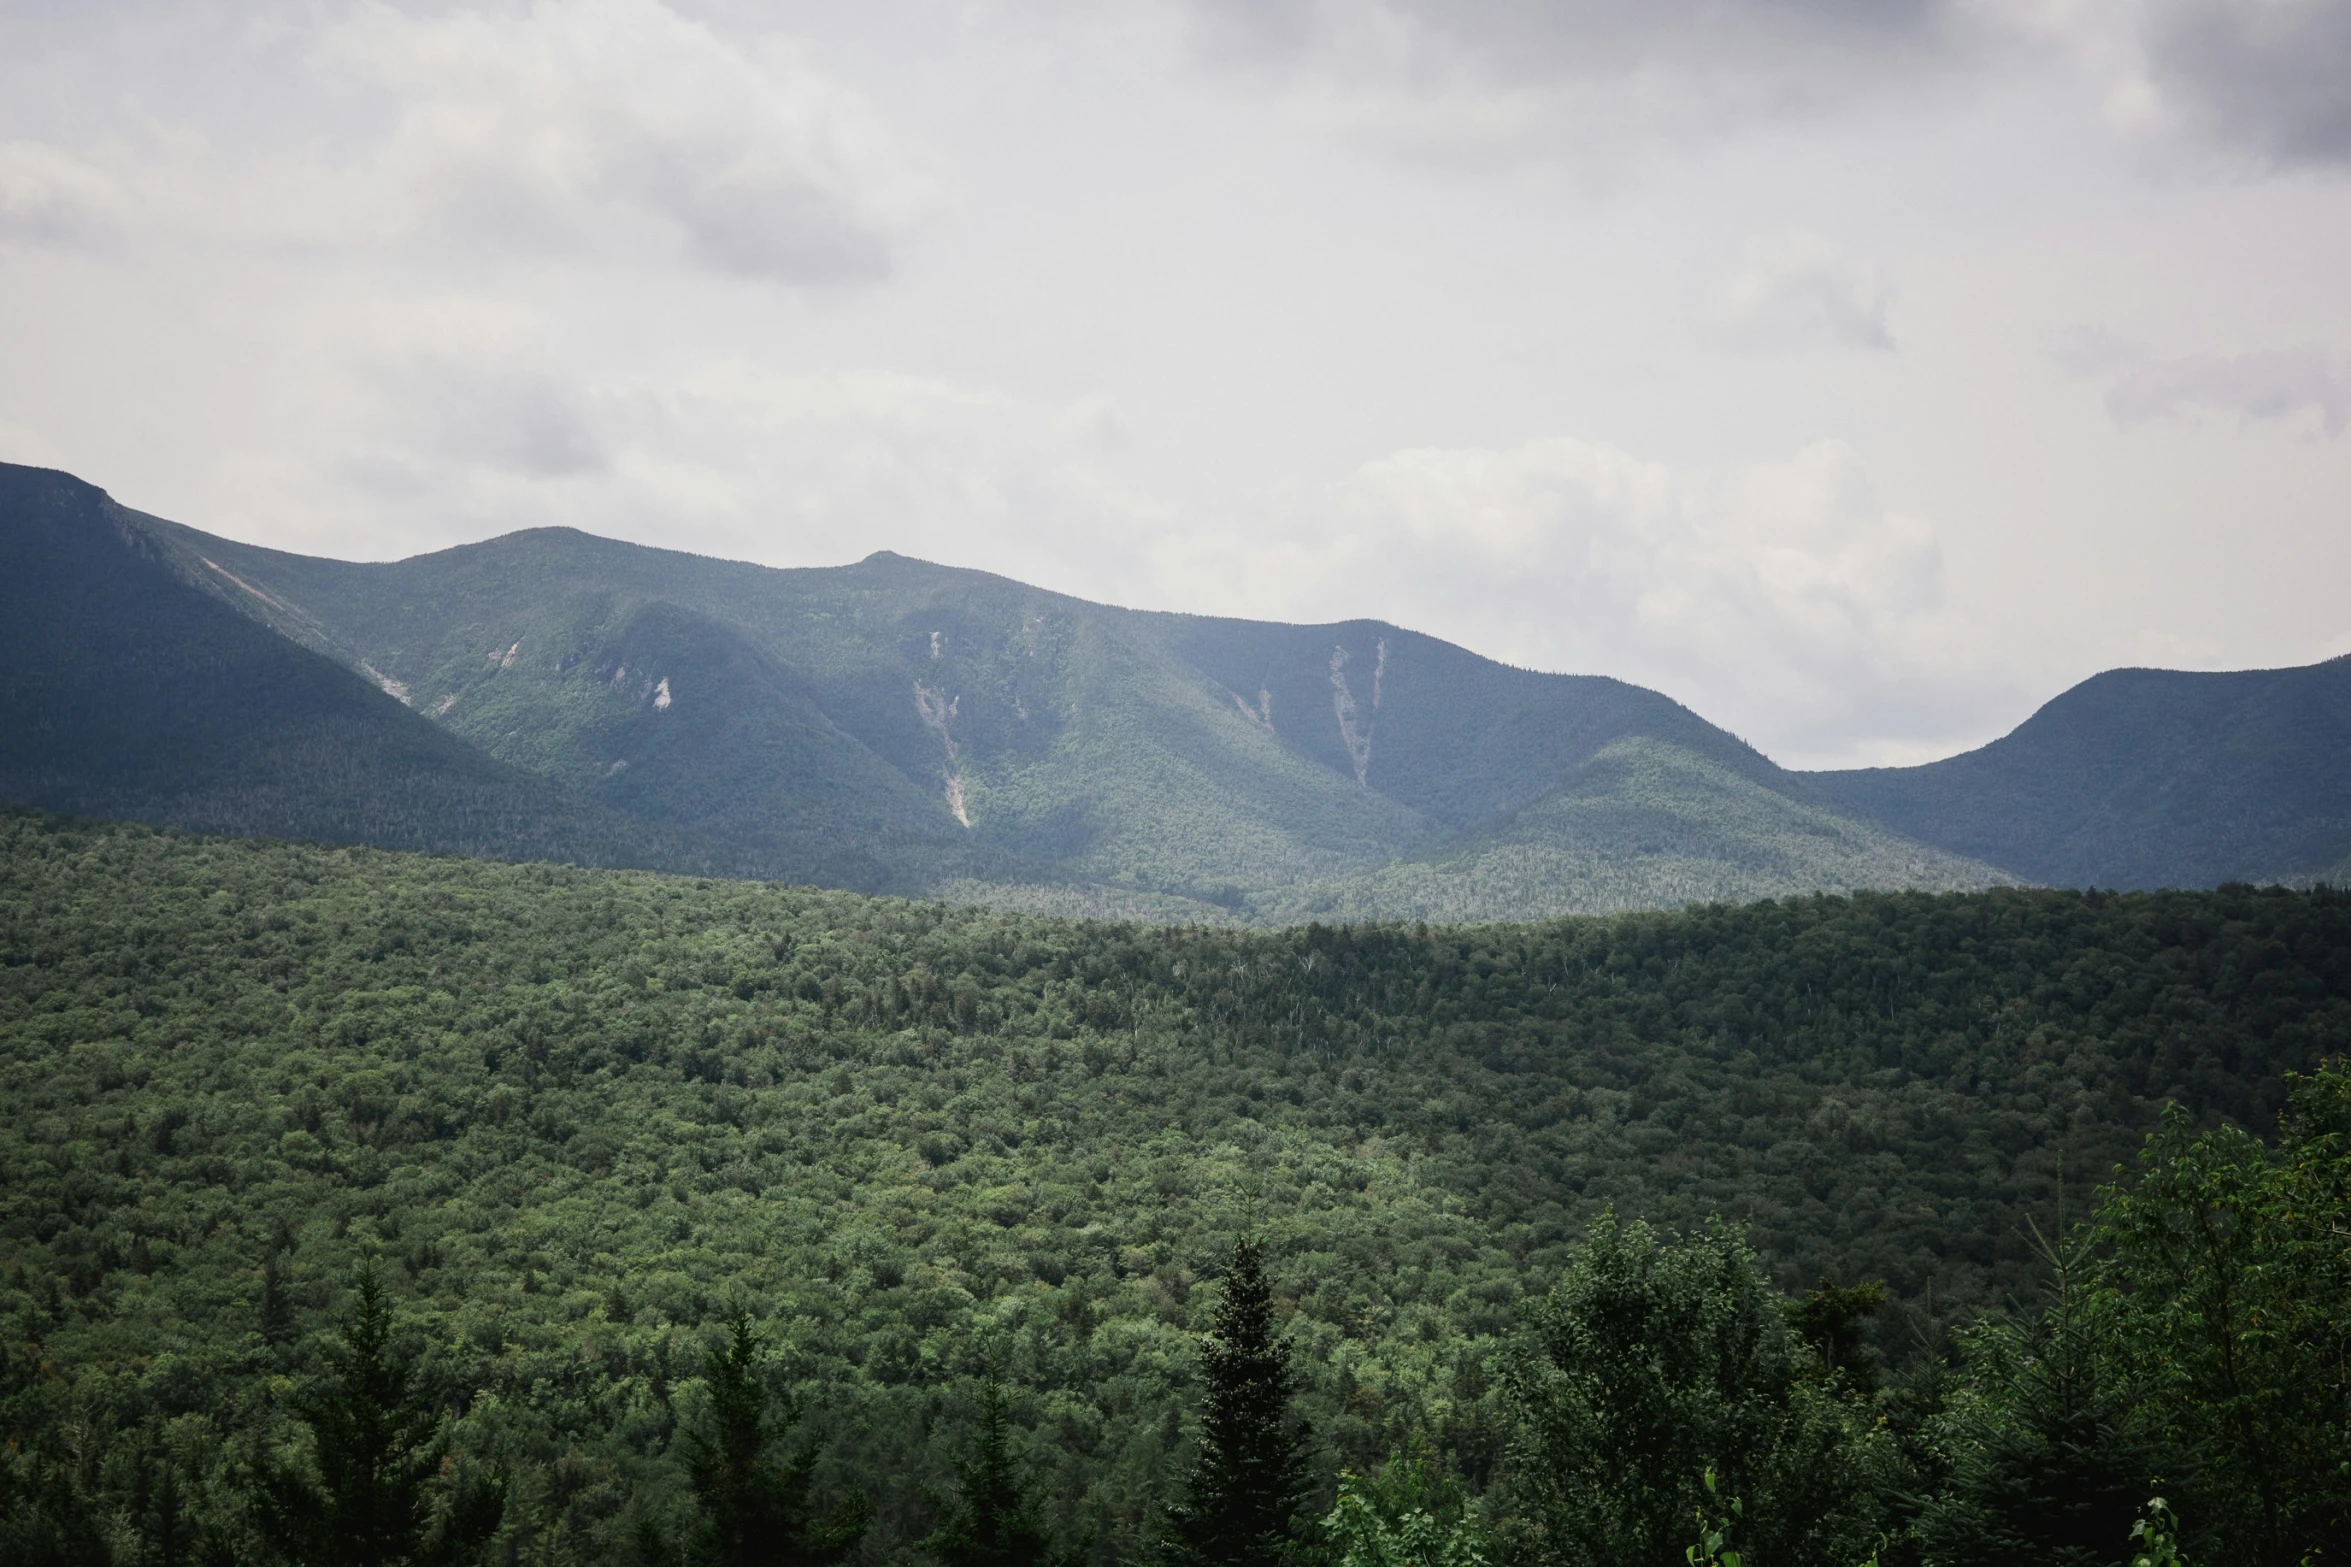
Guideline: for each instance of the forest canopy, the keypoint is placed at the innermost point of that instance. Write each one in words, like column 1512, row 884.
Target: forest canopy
column 580, row 1126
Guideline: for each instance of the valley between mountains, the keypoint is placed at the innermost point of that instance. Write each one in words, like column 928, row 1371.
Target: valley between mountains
column 896, row 726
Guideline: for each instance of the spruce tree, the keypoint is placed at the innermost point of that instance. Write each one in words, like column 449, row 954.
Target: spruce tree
column 368, row 1504
column 758, row 1510
column 1239, row 1508
column 277, row 1306
column 2046, row 1445
column 995, row 1521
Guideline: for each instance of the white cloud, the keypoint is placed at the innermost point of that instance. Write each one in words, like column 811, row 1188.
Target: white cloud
column 2282, row 384
column 453, row 420
column 53, row 196
column 1796, row 290
column 570, row 124
column 600, row 129
column 1782, row 598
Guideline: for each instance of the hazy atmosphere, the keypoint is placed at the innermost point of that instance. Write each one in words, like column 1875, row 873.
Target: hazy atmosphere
column 1175, row 783
column 1858, row 374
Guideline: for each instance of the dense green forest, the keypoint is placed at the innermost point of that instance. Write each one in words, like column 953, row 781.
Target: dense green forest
column 561, row 1171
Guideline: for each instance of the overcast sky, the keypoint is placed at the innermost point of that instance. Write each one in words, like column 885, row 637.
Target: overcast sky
column 1860, row 372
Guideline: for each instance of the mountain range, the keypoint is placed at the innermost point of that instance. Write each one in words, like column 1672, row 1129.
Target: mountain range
column 898, row 726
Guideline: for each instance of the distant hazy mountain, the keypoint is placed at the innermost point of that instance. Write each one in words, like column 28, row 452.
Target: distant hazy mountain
column 2144, row 778
column 894, row 726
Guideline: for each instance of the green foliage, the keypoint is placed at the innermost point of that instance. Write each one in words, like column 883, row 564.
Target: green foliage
column 995, row 1520
column 2156, row 1537
column 1409, row 1513
column 1832, row 1318
column 2230, row 1293
column 1241, row 1502
column 571, row 1113
column 1657, row 1364
column 1714, row 1530
column 1642, row 824
column 364, row 1501
column 2043, row 1449
column 49, row 1514
column 757, row 1510
column 77, row 1491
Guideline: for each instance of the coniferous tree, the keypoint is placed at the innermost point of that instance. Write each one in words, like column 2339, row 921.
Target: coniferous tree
column 995, row 1522
column 1240, row 1507
column 368, row 1504
column 276, row 1306
column 158, row 1507
column 757, row 1510
column 2044, row 1445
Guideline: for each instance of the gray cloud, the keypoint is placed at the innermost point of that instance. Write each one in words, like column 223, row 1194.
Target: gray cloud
column 2281, row 385
column 446, row 435
column 2267, row 77
column 1796, row 290
column 1592, row 70
column 1549, row 39
column 529, row 424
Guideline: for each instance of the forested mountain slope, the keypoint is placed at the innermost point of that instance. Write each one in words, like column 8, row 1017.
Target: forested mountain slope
column 576, row 1112
column 2143, row 778
column 902, row 727
column 1642, row 824
column 966, row 735
column 130, row 691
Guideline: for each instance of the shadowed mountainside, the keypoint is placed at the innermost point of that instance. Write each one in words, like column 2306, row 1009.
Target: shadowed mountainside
column 133, row 693
column 2143, row 778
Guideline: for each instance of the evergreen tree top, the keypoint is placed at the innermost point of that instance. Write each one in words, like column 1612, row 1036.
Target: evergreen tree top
column 1240, row 1506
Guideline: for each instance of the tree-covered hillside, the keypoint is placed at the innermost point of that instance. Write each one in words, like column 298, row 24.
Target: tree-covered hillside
column 578, row 1116
column 1641, row 824
column 2143, row 778
column 901, row 727
column 906, row 727
column 131, row 692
